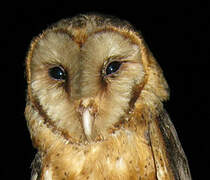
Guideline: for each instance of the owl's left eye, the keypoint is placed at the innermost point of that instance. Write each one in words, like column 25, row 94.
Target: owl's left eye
column 57, row 73
column 113, row 67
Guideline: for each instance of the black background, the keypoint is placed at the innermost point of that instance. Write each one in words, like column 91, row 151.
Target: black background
column 177, row 34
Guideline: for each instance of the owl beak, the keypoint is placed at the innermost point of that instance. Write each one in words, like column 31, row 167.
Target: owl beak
column 87, row 121
column 87, row 112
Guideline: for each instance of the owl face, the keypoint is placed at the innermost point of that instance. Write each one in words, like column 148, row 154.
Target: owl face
column 79, row 85
column 85, row 76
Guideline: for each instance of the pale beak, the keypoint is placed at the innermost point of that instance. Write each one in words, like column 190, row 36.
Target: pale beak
column 87, row 121
column 87, row 116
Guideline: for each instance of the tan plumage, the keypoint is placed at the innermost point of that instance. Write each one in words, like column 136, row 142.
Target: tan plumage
column 89, row 121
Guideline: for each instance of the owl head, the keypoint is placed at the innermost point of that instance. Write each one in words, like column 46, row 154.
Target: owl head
column 87, row 76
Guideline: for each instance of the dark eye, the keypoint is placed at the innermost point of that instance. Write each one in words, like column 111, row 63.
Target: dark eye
column 113, row 67
column 57, row 73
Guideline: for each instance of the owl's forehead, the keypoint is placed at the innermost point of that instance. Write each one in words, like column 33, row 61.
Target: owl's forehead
column 81, row 27
column 92, row 36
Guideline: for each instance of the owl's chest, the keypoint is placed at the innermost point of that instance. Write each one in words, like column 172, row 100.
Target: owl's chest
column 123, row 156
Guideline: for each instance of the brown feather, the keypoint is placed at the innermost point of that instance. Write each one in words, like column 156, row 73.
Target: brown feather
column 93, row 125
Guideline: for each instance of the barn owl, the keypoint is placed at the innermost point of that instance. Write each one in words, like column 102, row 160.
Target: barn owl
column 95, row 105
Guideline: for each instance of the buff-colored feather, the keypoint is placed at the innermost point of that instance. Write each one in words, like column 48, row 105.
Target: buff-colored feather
column 88, row 123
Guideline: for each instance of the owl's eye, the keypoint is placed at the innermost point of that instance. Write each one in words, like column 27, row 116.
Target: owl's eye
column 113, row 67
column 57, row 73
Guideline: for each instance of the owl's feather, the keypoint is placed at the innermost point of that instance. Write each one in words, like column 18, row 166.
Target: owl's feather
column 95, row 125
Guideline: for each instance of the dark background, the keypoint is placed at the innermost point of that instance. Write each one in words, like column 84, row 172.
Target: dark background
column 177, row 34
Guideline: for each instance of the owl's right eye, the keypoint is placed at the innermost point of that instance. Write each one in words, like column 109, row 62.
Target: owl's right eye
column 57, row 73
